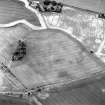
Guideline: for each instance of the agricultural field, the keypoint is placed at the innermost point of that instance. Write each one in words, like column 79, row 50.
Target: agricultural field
column 65, row 53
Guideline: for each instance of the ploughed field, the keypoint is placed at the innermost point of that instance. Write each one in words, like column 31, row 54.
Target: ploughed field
column 53, row 57
column 6, row 100
column 93, row 5
column 11, row 11
column 87, row 94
